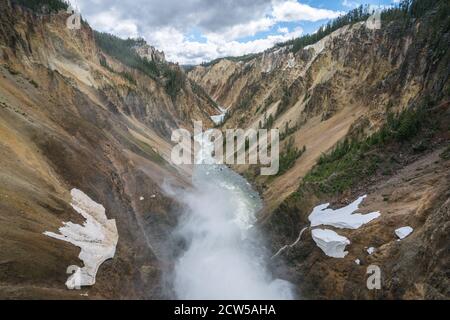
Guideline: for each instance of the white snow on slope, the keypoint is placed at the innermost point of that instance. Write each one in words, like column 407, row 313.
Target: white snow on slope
column 97, row 238
column 371, row 250
column 403, row 232
column 332, row 244
column 218, row 119
column 343, row 218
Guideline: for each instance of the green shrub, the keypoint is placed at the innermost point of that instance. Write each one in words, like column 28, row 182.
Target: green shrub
column 289, row 156
column 403, row 12
column 199, row 91
column 126, row 75
column 268, row 122
column 361, row 13
column 285, row 101
column 446, row 154
column 288, row 131
column 123, row 51
column 352, row 161
column 43, row 6
column 175, row 80
column 34, row 83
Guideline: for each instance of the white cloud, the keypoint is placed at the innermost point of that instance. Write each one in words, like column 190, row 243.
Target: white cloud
column 168, row 24
column 186, row 51
column 292, row 10
column 250, row 28
column 111, row 21
column 282, row 30
column 350, row 4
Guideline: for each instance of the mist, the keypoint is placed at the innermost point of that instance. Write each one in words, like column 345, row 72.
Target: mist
column 224, row 257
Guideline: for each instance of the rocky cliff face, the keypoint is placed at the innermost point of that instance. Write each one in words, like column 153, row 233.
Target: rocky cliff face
column 68, row 120
column 345, row 90
column 150, row 53
column 346, row 84
column 375, row 100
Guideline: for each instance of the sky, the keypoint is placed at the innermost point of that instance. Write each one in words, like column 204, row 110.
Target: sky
column 196, row 31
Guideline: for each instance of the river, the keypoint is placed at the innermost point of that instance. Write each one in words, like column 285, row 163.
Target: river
column 224, row 256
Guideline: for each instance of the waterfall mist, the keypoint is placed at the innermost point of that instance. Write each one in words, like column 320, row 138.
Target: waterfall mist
column 224, row 257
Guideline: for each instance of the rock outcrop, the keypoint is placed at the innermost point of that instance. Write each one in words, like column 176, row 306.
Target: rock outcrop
column 150, row 53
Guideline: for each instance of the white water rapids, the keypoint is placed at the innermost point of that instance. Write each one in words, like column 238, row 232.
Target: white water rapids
column 223, row 258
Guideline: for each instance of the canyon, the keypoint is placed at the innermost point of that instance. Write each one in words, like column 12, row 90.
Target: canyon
column 363, row 111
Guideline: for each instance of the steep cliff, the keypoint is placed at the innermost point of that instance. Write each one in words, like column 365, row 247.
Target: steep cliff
column 345, row 84
column 71, row 116
column 364, row 110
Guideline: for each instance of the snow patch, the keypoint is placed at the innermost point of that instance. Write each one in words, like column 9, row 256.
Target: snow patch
column 332, row 244
column 358, row 262
column 403, row 232
column 371, row 250
column 341, row 218
column 97, row 238
column 218, row 119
